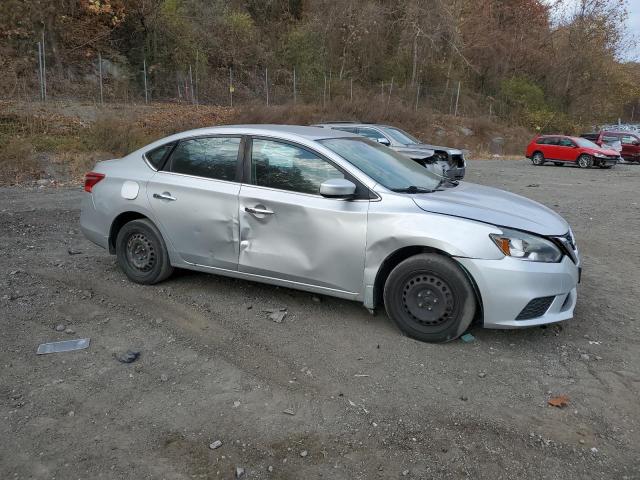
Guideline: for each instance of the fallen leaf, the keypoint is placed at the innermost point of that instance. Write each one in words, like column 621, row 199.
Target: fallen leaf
column 559, row 401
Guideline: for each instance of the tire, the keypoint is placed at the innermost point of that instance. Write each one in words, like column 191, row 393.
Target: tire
column 585, row 161
column 557, row 164
column 537, row 159
column 430, row 298
column 141, row 252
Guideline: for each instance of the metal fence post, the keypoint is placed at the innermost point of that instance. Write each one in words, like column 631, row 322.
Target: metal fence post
column 324, row 92
column 40, row 71
column 193, row 98
column 230, row 86
column 100, row 70
column 44, row 68
column 144, row 71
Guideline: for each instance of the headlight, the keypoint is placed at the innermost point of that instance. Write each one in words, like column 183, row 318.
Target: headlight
column 524, row 246
column 599, row 155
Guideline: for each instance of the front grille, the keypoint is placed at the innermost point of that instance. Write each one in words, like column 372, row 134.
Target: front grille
column 457, row 161
column 535, row 308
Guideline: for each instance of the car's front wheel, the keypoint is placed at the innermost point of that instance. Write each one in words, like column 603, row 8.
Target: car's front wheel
column 537, row 158
column 430, row 298
column 141, row 252
column 585, row 161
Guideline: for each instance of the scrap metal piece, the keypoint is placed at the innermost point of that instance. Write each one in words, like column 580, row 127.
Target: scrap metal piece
column 64, row 346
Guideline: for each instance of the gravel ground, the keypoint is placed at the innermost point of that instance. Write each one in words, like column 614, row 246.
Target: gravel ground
column 331, row 391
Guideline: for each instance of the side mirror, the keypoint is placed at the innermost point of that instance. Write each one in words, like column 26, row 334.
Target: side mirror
column 383, row 141
column 337, row 188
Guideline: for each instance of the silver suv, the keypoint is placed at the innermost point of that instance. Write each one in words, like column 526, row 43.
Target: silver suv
column 334, row 213
column 441, row 160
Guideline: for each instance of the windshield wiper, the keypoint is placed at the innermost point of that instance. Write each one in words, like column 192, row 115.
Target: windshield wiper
column 412, row 189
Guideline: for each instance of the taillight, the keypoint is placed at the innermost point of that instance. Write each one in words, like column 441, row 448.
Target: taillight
column 90, row 179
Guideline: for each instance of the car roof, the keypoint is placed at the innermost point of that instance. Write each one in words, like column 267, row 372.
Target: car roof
column 308, row 133
column 350, row 124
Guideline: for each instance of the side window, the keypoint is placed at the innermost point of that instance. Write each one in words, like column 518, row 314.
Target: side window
column 347, row 129
column 543, row 141
column 609, row 139
column 157, row 155
column 628, row 139
column 565, row 142
column 287, row 167
column 371, row 133
column 208, row 157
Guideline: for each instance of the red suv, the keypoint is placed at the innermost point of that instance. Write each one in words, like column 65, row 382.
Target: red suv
column 630, row 142
column 561, row 149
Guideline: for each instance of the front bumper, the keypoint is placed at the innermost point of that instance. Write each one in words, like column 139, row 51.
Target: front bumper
column 508, row 285
column 605, row 161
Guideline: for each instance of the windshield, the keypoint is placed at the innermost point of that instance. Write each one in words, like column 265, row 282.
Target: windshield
column 390, row 169
column 583, row 142
column 399, row 136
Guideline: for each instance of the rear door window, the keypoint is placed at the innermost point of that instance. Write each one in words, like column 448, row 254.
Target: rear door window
column 207, row 157
column 628, row 139
column 157, row 156
column 566, row 142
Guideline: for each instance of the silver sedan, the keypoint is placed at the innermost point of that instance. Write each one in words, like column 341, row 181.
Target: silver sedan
column 337, row 214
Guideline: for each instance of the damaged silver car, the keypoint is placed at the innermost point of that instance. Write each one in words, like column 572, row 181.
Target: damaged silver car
column 334, row 213
column 437, row 159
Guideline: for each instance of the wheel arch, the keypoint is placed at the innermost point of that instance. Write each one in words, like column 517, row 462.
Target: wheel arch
column 118, row 222
column 401, row 254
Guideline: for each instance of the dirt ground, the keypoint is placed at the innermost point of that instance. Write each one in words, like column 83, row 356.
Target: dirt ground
column 366, row 401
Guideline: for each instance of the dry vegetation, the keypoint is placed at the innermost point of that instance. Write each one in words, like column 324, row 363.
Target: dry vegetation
column 34, row 136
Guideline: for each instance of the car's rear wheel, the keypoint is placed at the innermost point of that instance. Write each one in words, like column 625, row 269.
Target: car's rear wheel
column 430, row 298
column 537, row 159
column 141, row 252
column 585, row 161
column 557, row 164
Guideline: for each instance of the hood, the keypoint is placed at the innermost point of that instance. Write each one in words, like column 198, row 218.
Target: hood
column 450, row 151
column 493, row 206
column 603, row 151
column 415, row 153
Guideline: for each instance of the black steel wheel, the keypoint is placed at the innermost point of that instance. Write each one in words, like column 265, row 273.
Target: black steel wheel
column 141, row 252
column 430, row 298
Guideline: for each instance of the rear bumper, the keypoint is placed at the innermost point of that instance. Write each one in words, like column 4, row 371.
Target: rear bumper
column 92, row 223
column 507, row 286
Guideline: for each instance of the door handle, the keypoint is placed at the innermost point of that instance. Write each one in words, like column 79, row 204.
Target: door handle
column 258, row 211
column 164, row 196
